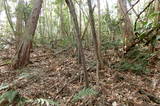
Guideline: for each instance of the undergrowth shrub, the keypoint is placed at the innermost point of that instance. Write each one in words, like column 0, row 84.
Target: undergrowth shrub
column 136, row 60
column 13, row 98
column 111, row 44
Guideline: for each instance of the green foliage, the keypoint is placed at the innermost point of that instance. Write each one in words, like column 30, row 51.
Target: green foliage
column 84, row 93
column 110, row 24
column 135, row 60
column 13, row 97
column 66, row 42
column 153, row 14
column 136, row 68
column 111, row 44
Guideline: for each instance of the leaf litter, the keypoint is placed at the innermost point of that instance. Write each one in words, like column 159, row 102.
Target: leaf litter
column 59, row 77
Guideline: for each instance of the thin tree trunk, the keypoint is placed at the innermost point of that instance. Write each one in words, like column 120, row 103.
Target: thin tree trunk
column 19, row 21
column 79, row 42
column 157, row 9
column 23, row 51
column 62, row 19
column 156, row 21
column 126, row 25
column 8, row 16
column 80, row 29
column 95, row 38
column 99, row 40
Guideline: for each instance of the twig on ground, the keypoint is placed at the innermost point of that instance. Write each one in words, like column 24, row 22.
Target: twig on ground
column 72, row 79
column 150, row 96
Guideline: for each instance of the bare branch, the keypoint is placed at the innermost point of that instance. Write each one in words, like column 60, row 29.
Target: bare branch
column 135, row 25
column 132, row 6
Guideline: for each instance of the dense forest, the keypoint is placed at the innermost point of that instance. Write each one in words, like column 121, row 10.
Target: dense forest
column 79, row 52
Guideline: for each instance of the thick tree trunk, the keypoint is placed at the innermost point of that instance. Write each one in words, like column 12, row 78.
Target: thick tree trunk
column 95, row 38
column 79, row 42
column 23, row 50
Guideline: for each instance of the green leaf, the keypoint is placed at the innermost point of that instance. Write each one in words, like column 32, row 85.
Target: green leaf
column 152, row 15
column 9, row 96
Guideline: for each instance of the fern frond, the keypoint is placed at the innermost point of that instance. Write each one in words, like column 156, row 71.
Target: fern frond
column 8, row 96
column 42, row 101
column 83, row 93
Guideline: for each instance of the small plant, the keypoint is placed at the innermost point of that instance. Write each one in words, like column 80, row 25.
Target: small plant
column 12, row 97
column 135, row 60
column 136, row 68
column 84, row 93
column 111, row 44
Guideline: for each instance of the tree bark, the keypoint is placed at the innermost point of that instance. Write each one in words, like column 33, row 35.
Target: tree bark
column 78, row 36
column 23, row 51
column 156, row 22
column 95, row 38
column 126, row 22
column 157, row 9
column 19, row 21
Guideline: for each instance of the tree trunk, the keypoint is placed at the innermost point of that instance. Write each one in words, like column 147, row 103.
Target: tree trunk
column 62, row 19
column 157, row 9
column 5, row 4
column 95, row 38
column 126, row 23
column 19, row 21
column 156, row 22
column 79, row 42
column 23, row 51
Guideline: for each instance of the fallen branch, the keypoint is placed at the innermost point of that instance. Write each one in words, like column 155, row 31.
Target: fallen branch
column 72, row 79
column 5, row 64
column 150, row 96
column 137, row 41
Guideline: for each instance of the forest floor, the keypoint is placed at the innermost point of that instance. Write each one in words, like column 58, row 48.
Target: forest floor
column 57, row 76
